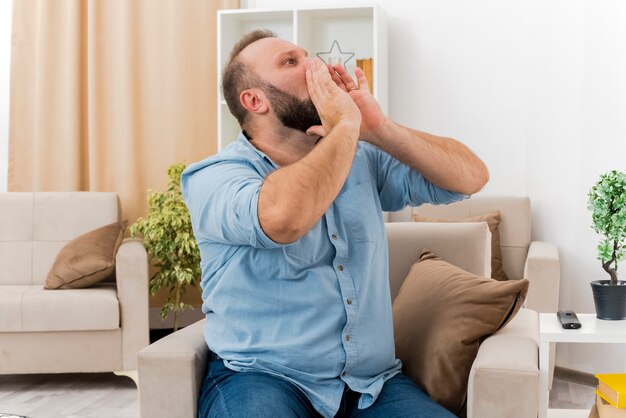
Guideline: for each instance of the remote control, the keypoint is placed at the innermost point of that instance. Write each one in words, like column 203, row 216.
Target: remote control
column 568, row 319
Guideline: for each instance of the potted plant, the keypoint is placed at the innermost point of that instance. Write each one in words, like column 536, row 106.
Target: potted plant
column 170, row 243
column 607, row 202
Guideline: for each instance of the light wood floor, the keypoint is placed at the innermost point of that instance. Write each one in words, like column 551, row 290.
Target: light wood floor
column 570, row 395
column 89, row 395
column 104, row 395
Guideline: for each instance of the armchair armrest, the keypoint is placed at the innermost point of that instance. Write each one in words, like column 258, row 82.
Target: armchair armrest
column 171, row 371
column 543, row 270
column 131, row 272
column 504, row 379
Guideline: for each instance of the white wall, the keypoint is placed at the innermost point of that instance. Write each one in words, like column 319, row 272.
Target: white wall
column 538, row 89
column 5, row 65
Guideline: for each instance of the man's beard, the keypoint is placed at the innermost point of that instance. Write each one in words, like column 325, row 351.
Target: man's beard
column 291, row 111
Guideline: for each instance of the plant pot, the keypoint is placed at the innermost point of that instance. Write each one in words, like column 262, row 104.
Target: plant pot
column 610, row 300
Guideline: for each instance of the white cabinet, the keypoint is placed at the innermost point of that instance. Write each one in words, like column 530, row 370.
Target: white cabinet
column 360, row 30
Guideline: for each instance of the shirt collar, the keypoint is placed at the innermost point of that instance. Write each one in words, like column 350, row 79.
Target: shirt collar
column 242, row 139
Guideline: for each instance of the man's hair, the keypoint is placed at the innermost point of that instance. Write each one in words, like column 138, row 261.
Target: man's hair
column 237, row 76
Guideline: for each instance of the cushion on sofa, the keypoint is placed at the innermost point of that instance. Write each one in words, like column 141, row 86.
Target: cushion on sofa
column 34, row 309
column 441, row 315
column 493, row 221
column 87, row 259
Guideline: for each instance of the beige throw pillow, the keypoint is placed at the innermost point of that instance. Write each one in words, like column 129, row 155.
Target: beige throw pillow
column 441, row 315
column 493, row 221
column 87, row 259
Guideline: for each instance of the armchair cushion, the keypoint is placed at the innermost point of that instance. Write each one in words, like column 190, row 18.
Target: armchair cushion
column 87, row 259
column 493, row 221
column 441, row 315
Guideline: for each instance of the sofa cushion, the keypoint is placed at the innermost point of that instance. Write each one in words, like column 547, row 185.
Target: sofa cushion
column 11, row 307
column 87, row 259
column 16, row 222
column 35, row 309
column 16, row 262
column 441, row 315
column 61, row 216
column 493, row 221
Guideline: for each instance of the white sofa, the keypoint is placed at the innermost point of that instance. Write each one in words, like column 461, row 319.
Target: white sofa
column 96, row 329
column 504, row 378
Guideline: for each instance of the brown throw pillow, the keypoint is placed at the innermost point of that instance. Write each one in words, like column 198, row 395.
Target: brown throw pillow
column 440, row 316
column 493, row 221
column 87, row 259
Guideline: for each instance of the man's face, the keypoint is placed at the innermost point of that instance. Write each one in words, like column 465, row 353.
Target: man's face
column 293, row 112
column 281, row 66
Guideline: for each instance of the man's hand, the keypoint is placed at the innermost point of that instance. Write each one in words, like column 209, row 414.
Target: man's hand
column 372, row 116
column 333, row 105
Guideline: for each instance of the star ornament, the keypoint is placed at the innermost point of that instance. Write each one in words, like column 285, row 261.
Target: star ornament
column 335, row 55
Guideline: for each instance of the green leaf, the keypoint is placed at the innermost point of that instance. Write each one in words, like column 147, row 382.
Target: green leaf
column 167, row 234
column 607, row 202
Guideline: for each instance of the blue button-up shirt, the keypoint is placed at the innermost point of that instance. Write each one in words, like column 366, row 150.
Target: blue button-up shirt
column 316, row 312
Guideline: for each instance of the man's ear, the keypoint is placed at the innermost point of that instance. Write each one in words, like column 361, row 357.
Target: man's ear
column 254, row 101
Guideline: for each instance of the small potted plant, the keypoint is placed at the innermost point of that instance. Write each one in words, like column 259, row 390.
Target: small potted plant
column 607, row 202
column 170, row 243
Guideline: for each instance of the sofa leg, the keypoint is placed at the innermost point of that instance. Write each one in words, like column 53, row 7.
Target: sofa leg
column 129, row 373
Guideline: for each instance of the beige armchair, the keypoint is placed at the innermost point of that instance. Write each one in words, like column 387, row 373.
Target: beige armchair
column 95, row 329
column 503, row 381
column 536, row 261
column 522, row 257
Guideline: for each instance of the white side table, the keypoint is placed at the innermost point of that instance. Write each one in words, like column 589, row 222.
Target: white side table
column 593, row 330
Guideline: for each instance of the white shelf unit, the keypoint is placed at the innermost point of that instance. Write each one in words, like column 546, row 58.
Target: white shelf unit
column 361, row 30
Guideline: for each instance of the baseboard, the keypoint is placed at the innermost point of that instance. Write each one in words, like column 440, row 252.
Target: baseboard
column 575, row 376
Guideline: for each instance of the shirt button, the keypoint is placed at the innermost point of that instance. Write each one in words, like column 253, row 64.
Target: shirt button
column 340, row 267
column 334, row 236
column 349, row 301
column 347, row 338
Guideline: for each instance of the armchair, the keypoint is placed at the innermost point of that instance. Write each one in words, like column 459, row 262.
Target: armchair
column 503, row 381
column 537, row 261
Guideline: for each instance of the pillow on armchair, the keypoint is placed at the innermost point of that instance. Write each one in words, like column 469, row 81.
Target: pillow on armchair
column 441, row 315
column 493, row 221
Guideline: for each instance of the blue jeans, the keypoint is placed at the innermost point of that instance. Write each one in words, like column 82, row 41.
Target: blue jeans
column 229, row 394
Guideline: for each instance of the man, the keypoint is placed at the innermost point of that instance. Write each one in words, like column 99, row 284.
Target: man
column 294, row 255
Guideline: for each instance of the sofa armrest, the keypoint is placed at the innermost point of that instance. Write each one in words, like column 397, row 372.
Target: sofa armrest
column 504, row 379
column 131, row 273
column 543, row 270
column 171, row 371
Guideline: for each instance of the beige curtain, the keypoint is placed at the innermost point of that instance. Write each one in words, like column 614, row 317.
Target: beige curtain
column 106, row 94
